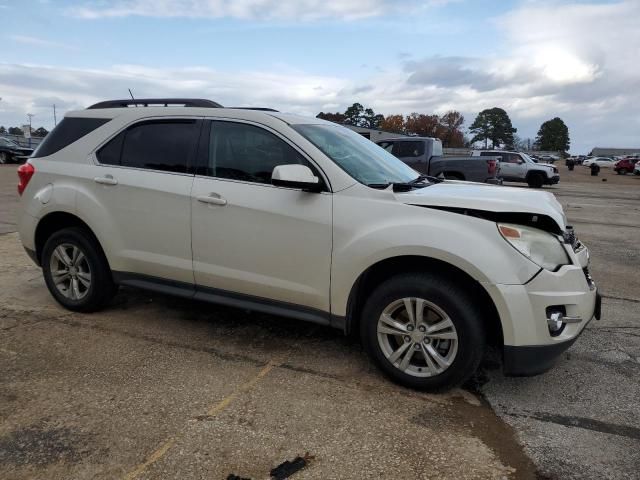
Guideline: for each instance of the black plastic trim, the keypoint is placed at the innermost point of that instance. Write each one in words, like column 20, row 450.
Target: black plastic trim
column 230, row 299
column 525, row 361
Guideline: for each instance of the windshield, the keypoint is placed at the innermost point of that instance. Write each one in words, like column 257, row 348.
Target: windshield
column 361, row 158
column 527, row 158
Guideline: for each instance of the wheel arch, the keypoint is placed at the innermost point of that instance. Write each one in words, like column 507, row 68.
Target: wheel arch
column 56, row 221
column 384, row 269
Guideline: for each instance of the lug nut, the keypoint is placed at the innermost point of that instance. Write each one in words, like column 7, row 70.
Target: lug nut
column 410, row 328
column 417, row 347
column 407, row 338
column 422, row 328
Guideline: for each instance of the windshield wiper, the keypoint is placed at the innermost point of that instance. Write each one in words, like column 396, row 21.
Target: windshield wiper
column 421, row 178
column 399, row 186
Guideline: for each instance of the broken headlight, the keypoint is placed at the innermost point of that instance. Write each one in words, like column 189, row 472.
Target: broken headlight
column 542, row 248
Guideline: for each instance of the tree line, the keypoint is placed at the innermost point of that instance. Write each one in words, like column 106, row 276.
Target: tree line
column 38, row 132
column 491, row 127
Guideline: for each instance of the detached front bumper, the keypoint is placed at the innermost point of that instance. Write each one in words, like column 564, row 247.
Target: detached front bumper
column 528, row 360
column 531, row 345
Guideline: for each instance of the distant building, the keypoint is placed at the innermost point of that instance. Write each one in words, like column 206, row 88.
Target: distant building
column 613, row 152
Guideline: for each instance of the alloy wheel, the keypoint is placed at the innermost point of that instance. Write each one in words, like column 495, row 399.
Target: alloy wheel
column 417, row 337
column 70, row 271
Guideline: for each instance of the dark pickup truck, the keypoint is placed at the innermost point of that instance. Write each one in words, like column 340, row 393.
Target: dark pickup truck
column 424, row 154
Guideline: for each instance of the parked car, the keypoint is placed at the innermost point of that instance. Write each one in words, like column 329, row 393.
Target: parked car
column 548, row 158
column 518, row 167
column 636, row 169
column 303, row 218
column 602, row 162
column 10, row 151
column 624, row 166
column 424, row 155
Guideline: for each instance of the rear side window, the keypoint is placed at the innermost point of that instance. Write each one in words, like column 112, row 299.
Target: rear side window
column 166, row 145
column 408, row 149
column 66, row 132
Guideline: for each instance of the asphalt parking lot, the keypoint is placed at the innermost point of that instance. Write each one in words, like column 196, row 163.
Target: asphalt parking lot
column 157, row 387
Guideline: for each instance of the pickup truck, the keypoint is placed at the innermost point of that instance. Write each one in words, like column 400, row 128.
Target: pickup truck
column 519, row 167
column 424, row 155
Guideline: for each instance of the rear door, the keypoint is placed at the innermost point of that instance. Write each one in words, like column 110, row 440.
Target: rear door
column 270, row 244
column 143, row 181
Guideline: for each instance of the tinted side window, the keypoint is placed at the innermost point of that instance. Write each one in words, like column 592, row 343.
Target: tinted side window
column 244, row 152
column 165, row 145
column 487, row 154
column 110, row 153
column 66, row 132
column 408, row 149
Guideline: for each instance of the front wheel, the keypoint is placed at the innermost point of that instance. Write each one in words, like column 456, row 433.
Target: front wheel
column 423, row 332
column 4, row 158
column 535, row 181
column 76, row 271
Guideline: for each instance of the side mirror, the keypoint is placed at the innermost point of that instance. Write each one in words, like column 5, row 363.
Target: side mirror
column 295, row 176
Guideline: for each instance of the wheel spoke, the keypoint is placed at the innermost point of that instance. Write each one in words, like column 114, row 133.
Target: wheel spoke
column 443, row 335
column 430, row 365
column 74, row 255
column 440, row 360
column 58, row 279
column 61, row 254
column 419, row 311
column 396, row 355
column 408, row 305
column 391, row 325
column 75, row 289
column 404, row 364
column 446, row 323
column 79, row 258
column 85, row 279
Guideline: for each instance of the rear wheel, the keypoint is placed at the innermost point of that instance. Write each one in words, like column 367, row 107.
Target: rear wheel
column 4, row 158
column 76, row 271
column 423, row 332
column 535, row 180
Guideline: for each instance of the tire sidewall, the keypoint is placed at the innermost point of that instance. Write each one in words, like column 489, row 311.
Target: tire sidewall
column 453, row 301
column 78, row 238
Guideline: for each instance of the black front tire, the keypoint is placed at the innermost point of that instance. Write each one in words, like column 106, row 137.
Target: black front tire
column 535, row 181
column 101, row 289
column 450, row 298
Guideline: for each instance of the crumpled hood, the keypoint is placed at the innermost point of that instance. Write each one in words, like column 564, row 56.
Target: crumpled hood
column 480, row 196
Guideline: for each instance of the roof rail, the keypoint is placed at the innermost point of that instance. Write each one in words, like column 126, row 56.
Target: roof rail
column 149, row 102
column 261, row 109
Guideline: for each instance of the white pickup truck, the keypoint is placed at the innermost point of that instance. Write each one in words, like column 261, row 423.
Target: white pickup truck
column 519, row 167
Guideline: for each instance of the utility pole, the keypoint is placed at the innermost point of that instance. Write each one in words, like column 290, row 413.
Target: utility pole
column 30, row 115
column 55, row 120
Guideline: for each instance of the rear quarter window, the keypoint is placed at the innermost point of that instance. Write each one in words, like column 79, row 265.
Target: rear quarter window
column 68, row 131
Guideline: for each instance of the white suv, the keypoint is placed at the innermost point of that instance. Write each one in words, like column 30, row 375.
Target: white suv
column 520, row 167
column 303, row 218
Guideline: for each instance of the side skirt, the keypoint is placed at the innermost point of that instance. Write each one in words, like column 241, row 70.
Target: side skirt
column 230, row 299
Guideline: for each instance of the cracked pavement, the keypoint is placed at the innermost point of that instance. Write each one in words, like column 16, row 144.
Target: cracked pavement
column 158, row 387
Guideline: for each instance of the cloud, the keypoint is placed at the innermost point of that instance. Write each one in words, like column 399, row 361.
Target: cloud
column 248, row 9
column 40, row 42
column 575, row 61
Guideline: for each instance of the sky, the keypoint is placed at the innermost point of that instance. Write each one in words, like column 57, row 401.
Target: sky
column 577, row 60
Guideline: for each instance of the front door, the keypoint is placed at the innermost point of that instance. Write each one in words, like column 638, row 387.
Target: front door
column 249, row 236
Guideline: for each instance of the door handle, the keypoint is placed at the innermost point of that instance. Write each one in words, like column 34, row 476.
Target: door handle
column 106, row 180
column 213, row 199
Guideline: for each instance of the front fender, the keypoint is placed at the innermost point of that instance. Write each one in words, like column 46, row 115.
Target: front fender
column 368, row 231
